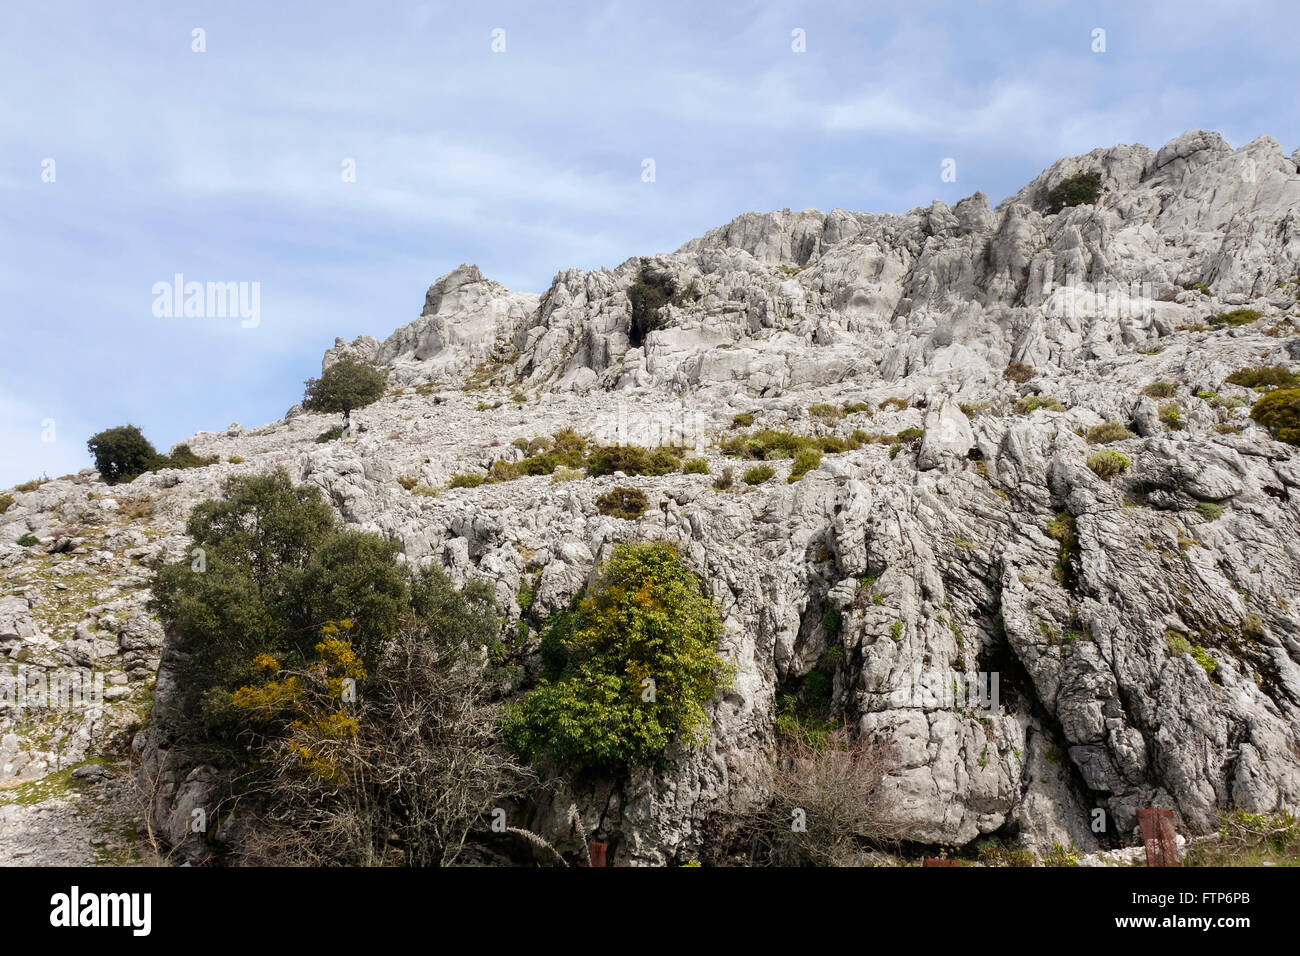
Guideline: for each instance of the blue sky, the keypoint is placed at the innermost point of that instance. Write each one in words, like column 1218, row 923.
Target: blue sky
column 226, row 165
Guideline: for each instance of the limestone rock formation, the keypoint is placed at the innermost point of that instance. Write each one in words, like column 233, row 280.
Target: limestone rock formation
column 986, row 549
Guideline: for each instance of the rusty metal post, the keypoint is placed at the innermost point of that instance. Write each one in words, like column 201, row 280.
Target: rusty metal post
column 1158, row 836
column 596, row 853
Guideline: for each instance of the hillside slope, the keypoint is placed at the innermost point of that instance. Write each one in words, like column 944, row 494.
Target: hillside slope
column 1142, row 627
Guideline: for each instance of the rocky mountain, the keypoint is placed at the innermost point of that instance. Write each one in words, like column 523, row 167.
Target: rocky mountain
column 1135, row 614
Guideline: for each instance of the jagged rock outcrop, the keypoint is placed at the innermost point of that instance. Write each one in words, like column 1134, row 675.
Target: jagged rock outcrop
column 986, row 547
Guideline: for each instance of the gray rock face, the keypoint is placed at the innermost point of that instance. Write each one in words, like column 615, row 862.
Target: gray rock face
column 1141, row 644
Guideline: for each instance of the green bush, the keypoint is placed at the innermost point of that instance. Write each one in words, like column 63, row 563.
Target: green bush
column 1108, row 464
column 183, row 457
column 857, row 408
column 743, row 420
column 1265, row 376
column 805, row 460
column 897, row 404
column 620, row 502
column 235, row 460
column 1161, row 390
column 5, row 502
column 1210, row 510
column 329, row 435
column 627, row 673
column 724, row 481
column 346, row 385
column 632, row 460
column 28, row 541
column 767, row 444
column 1019, row 373
column 1280, row 412
column 1107, row 433
column 466, row 480
column 825, row 412
column 122, row 453
column 1032, row 403
column 910, row 434
column 695, row 466
column 757, row 475
column 1171, row 413
column 1236, row 317
column 648, row 295
column 1179, row 645
column 271, row 566
column 1081, row 189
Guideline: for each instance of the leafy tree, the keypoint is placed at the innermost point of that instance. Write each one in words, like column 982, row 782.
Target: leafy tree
column 346, row 385
column 1077, row 190
column 648, row 296
column 628, row 672
column 270, row 567
column 122, row 453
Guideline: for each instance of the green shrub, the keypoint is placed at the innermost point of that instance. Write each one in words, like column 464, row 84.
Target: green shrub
column 857, row 408
column 5, row 502
column 1032, row 403
column 182, row 457
column 631, row 460
column 1064, row 530
column 620, row 502
column 329, row 435
column 896, row 630
column 825, row 412
column 743, row 420
column 1107, row 464
column 466, row 480
column 1107, row 433
column 757, row 475
column 1265, row 376
column 1210, row 510
column 1236, row 317
column 724, row 481
column 1280, row 412
column 1227, row 428
column 897, row 404
column 28, row 541
column 910, row 434
column 1171, row 413
column 648, row 295
column 628, row 673
column 565, row 473
column 424, row 491
column 121, row 453
column 767, row 444
column 1081, row 189
column 1019, row 372
column 407, row 482
column 346, row 385
column 695, row 466
column 805, row 460
column 1160, row 390
column 235, row 460
column 1179, row 645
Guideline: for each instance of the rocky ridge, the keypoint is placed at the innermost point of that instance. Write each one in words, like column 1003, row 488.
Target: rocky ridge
column 988, row 546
